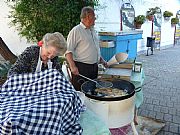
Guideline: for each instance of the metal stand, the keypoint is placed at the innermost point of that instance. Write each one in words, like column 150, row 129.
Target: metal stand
column 150, row 44
column 151, row 50
column 134, row 128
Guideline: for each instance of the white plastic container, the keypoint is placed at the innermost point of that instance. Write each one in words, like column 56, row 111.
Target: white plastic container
column 117, row 58
column 114, row 113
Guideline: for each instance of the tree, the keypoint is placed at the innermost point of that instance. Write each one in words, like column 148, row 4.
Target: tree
column 34, row 18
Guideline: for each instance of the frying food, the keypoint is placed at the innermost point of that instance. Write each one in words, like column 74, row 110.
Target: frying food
column 111, row 92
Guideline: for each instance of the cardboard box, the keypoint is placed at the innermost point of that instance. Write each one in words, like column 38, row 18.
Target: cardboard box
column 123, row 65
column 117, row 73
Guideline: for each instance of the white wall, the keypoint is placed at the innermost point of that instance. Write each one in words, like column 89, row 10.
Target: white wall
column 10, row 35
column 108, row 16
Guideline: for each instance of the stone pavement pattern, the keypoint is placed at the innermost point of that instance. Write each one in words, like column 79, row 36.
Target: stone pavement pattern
column 161, row 88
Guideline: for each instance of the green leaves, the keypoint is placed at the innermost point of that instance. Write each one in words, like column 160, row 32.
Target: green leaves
column 34, row 18
column 174, row 20
column 140, row 19
column 167, row 14
column 4, row 67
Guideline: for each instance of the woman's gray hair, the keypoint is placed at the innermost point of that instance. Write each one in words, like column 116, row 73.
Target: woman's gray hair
column 56, row 40
column 86, row 11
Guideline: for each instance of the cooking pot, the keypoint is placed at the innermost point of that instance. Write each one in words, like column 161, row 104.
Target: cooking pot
column 88, row 88
column 114, row 111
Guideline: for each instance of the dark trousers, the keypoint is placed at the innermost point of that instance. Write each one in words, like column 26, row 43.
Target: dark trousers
column 88, row 70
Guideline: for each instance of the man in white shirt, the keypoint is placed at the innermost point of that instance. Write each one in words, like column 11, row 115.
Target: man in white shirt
column 83, row 51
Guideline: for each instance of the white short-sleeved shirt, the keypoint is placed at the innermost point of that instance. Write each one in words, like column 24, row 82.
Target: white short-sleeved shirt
column 84, row 44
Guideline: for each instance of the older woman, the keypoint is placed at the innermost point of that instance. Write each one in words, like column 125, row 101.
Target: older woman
column 35, row 58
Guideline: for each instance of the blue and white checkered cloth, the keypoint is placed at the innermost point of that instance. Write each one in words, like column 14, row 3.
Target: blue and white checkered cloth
column 40, row 104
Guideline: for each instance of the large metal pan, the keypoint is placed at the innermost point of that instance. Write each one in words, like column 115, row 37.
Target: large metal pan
column 88, row 88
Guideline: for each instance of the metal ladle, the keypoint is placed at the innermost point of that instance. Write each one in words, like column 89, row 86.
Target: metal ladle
column 107, row 84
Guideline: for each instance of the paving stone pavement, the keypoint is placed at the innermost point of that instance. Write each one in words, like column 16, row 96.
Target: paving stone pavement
column 161, row 88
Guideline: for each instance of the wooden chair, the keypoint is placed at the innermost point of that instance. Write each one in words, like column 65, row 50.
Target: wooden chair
column 6, row 53
column 8, row 58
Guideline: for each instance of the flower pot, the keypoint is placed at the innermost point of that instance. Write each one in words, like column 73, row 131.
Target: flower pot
column 167, row 18
column 138, row 25
column 150, row 17
column 173, row 25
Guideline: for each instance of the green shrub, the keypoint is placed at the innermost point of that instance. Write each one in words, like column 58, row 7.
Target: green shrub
column 34, row 18
column 153, row 11
column 140, row 19
column 174, row 20
column 150, row 13
column 167, row 14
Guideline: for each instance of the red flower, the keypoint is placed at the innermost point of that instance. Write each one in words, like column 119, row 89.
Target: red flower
column 40, row 43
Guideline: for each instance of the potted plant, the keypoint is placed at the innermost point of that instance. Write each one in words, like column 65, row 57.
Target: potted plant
column 150, row 13
column 167, row 15
column 174, row 21
column 138, row 21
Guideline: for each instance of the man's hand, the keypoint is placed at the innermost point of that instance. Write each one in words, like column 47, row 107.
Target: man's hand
column 105, row 64
column 72, row 65
column 102, row 61
column 74, row 70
